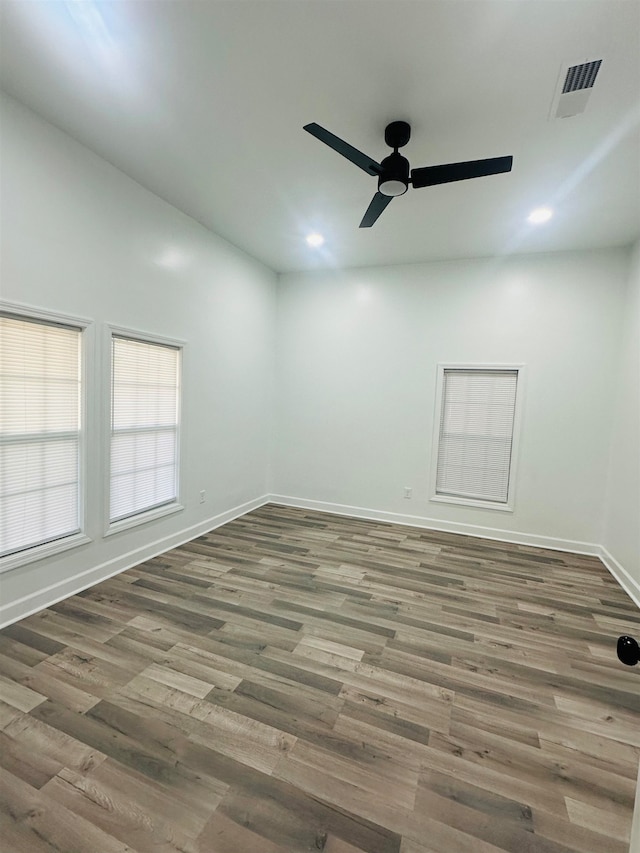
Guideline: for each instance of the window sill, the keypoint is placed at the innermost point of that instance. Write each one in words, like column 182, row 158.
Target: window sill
column 41, row 552
column 470, row 502
column 142, row 518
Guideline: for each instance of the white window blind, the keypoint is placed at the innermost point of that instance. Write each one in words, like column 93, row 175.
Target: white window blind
column 476, row 434
column 40, row 419
column 144, row 426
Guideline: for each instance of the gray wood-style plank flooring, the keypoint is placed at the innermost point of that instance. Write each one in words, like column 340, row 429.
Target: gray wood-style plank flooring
column 299, row 681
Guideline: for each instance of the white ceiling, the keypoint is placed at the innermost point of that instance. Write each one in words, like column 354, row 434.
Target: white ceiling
column 203, row 102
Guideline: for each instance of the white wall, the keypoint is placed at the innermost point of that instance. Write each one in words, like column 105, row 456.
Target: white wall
column 81, row 238
column 622, row 517
column 354, row 354
column 356, row 365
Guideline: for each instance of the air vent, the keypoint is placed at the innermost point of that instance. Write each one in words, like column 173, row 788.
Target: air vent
column 581, row 76
column 574, row 88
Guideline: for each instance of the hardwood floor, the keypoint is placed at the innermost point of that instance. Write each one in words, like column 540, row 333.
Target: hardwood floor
column 297, row 681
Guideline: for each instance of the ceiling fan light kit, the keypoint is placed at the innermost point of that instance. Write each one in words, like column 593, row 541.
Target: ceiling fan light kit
column 394, row 173
column 395, row 178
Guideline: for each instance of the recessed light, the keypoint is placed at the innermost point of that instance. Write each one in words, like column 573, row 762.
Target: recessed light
column 540, row 215
column 171, row 258
column 314, row 240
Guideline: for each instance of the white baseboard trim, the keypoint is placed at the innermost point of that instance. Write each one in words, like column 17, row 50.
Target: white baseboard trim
column 32, row 603
column 497, row 534
column 629, row 585
column 621, row 575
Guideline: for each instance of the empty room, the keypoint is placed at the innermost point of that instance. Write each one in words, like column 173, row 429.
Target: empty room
column 319, row 426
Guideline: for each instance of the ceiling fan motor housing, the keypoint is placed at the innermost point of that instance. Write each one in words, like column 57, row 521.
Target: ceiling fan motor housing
column 394, row 179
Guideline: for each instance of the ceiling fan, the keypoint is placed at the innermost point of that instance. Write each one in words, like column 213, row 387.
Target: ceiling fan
column 393, row 173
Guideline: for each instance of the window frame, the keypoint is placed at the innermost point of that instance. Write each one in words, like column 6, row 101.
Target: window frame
column 454, row 500
column 144, row 516
column 86, row 329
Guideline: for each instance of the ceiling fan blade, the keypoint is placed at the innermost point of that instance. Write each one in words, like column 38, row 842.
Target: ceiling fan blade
column 370, row 166
column 377, row 205
column 429, row 176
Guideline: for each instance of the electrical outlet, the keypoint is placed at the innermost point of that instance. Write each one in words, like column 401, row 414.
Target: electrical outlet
column 408, row 493
column 203, row 496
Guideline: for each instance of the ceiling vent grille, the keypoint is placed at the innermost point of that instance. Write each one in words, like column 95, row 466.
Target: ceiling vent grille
column 581, row 76
column 574, row 88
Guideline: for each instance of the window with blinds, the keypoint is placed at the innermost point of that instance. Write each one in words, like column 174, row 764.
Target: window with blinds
column 476, row 433
column 40, row 423
column 145, row 404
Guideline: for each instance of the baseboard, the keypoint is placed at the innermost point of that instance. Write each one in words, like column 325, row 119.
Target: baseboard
column 26, row 606
column 32, row 603
column 497, row 534
column 628, row 584
column 621, row 575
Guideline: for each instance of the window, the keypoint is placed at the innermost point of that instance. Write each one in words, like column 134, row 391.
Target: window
column 40, row 437
column 476, row 426
column 145, row 385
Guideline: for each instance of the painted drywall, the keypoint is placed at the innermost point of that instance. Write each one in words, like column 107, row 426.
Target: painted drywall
column 356, row 366
column 622, row 516
column 350, row 357
column 80, row 238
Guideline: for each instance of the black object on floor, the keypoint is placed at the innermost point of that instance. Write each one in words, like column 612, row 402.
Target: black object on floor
column 628, row 651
